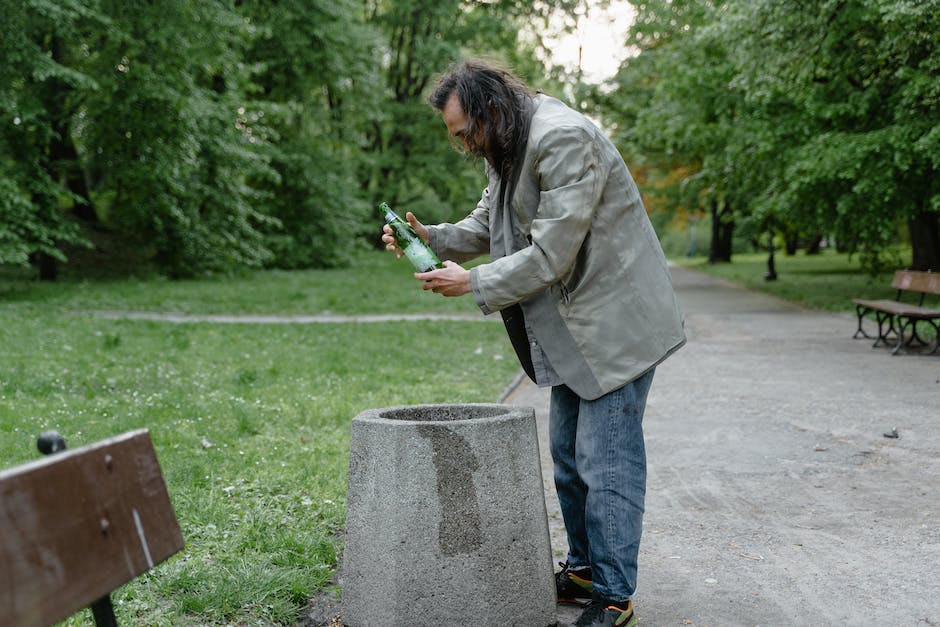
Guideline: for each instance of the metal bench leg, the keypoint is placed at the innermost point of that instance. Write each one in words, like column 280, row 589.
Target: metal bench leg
column 914, row 335
column 911, row 323
column 900, row 342
column 907, row 323
column 936, row 336
column 103, row 612
column 883, row 334
column 861, row 311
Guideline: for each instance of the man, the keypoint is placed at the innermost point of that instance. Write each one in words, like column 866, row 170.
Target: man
column 580, row 278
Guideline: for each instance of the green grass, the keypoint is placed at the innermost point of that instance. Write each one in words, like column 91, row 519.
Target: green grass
column 828, row 281
column 377, row 283
column 250, row 422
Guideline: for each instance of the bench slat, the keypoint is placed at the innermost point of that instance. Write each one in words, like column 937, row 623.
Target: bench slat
column 898, row 308
column 877, row 304
column 915, row 281
column 76, row 525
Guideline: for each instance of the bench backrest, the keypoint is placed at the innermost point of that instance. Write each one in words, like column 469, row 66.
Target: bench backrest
column 78, row 524
column 925, row 282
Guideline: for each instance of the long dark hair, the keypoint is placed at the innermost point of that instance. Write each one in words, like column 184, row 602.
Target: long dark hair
column 497, row 104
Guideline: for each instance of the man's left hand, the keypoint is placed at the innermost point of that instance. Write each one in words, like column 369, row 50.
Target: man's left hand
column 451, row 280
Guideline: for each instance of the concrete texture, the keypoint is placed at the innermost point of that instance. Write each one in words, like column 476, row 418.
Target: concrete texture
column 774, row 495
column 446, row 520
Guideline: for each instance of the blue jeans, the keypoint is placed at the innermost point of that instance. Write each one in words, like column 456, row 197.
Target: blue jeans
column 600, row 477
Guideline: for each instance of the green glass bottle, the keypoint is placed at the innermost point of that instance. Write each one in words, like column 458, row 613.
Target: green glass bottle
column 419, row 254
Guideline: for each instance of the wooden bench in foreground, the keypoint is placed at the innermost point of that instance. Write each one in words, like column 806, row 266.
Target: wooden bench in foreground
column 78, row 524
column 896, row 318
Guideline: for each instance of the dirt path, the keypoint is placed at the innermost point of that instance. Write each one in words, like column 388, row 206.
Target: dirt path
column 286, row 319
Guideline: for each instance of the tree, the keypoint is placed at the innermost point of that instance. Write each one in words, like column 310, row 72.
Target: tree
column 205, row 137
column 317, row 80
column 42, row 187
column 851, row 87
column 672, row 107
column 822, row 117
column 172, row 158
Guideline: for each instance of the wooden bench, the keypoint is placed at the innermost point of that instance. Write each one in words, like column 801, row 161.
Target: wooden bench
column 895, row 317
column 78, row 524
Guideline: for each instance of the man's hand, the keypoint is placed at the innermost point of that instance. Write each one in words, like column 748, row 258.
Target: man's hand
column 451, row 280
column 392, row 246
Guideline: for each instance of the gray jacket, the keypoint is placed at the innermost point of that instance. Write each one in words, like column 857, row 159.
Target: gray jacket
column 577, row 250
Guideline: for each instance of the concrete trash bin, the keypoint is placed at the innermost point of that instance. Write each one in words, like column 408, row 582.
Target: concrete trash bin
column 445, row 519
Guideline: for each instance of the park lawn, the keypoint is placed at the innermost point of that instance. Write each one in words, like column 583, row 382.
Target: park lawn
column 375, row 283
column 250, row 421
column 827, row 281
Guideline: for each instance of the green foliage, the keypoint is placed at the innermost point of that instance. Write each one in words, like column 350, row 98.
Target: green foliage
column 174, row 156
column 315, row 86
column 212, row 137
column 814, row 118
column 26, row 229
column 853, row 163
column 38, row 89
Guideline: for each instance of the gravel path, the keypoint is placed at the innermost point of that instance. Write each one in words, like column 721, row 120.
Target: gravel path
column 794, row 473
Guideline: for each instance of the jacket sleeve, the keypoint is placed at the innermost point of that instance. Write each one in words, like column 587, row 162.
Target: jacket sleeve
column 567, row 165
column 466, row 239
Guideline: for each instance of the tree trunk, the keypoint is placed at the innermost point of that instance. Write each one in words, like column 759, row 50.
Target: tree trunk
column 722, row 230
column 925, row 241
column 46, row 265
column 815, row 244
column 63, row 158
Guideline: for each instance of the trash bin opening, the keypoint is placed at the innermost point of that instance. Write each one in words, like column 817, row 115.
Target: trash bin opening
column 426, row 413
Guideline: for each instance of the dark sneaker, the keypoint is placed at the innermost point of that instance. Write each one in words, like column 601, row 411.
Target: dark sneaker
column 600, row 613
column 573, row 586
